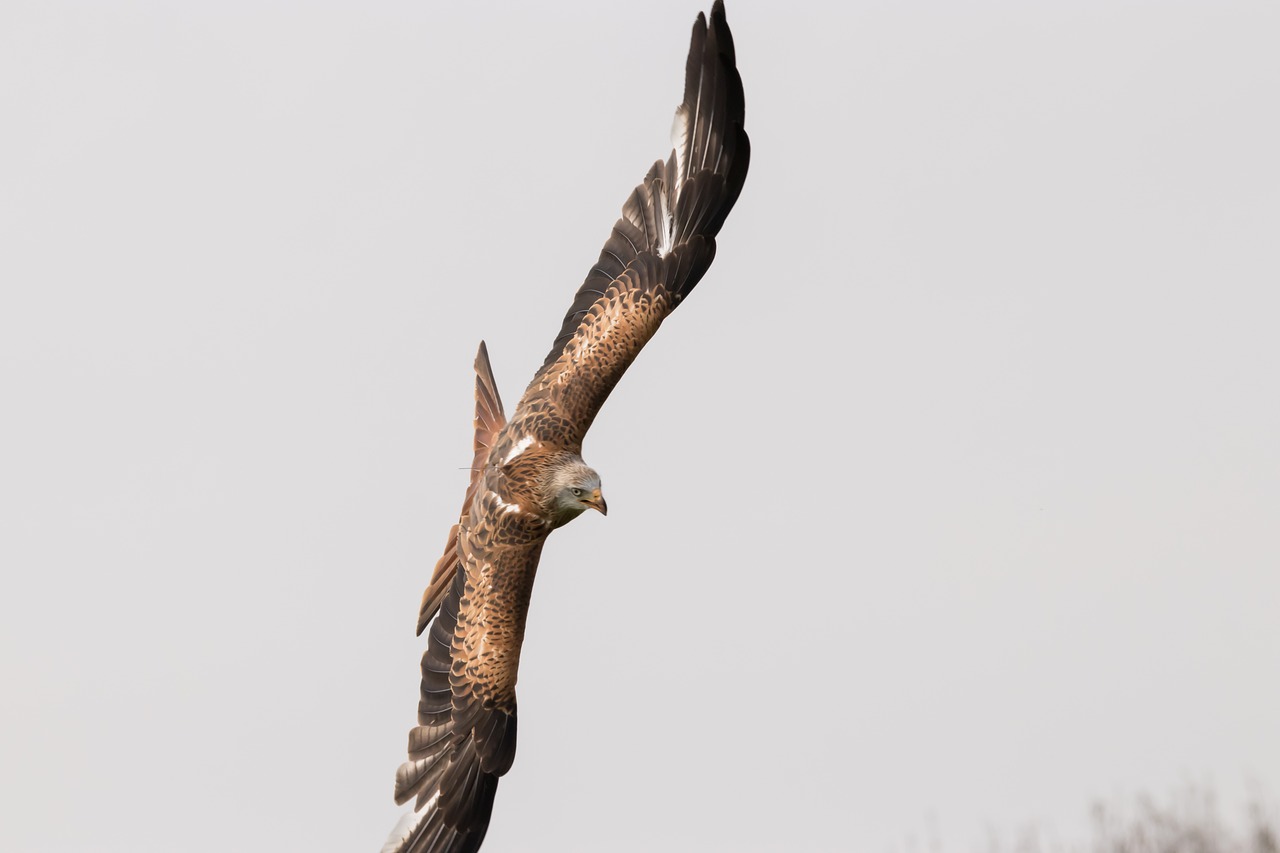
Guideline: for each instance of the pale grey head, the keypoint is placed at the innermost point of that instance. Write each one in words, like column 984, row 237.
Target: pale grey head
column 573, row 487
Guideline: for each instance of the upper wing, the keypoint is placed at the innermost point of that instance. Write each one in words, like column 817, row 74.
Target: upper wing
column 658, row 250
column 489, row 422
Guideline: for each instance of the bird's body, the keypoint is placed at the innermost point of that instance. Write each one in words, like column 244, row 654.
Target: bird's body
column 528, row 477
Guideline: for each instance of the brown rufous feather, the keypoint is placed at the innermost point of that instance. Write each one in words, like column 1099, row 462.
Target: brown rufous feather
column 659, row 249
column 489, row 421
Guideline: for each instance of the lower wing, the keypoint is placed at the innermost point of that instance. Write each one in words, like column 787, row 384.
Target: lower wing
column 466, row 733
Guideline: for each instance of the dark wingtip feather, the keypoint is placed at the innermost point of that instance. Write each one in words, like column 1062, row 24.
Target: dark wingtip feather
column 713, row 113
column 721, row 25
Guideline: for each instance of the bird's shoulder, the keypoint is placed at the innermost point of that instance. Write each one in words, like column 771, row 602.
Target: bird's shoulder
column 510, row 498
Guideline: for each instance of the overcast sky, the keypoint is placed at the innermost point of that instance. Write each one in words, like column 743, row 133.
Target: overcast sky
column 950, row 499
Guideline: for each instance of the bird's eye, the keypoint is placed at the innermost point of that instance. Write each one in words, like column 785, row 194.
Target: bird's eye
column 577, row 493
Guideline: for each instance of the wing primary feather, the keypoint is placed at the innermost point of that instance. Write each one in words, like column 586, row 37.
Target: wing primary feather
column 686, row 196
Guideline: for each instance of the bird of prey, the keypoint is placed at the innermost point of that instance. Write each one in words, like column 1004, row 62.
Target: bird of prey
column 528, row 477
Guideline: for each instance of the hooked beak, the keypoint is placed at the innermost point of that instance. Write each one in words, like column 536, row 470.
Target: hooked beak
column 596, row 501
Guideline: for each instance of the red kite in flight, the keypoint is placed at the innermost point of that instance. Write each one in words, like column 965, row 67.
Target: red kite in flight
column 528, row 477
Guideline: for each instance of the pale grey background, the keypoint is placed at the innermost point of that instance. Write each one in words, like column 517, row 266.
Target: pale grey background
column 950, row 498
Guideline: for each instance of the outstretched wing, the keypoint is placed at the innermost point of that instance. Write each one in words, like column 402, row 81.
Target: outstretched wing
column 488, row 422
column 658, row 251
column 466, row 733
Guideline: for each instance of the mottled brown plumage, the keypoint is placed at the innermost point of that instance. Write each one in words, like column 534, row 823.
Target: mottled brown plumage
column 528, row 477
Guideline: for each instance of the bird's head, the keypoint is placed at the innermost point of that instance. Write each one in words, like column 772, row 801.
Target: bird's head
column 572, row 488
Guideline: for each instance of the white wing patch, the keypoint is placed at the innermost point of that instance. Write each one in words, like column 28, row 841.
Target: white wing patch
column 668, row 224
column 521, row 446
column 681, row 128
column 504, row 506
column 408, row 824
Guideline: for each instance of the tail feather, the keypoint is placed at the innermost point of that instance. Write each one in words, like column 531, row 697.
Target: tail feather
column 489, row 421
